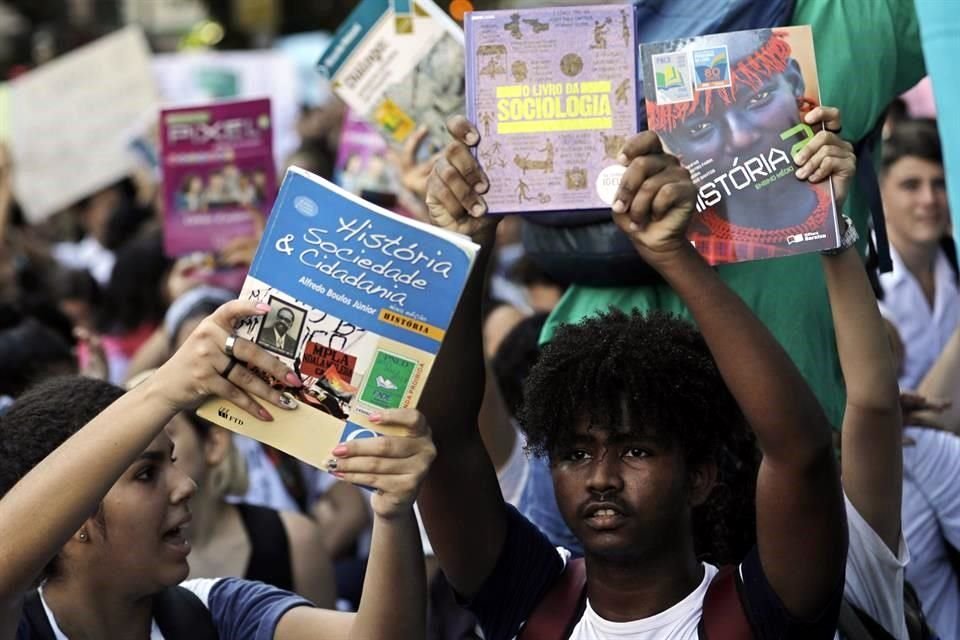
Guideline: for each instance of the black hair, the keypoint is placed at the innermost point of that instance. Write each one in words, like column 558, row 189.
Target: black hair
column 41, row 420
column 200, row 426
column 917, row 138
column 659, row 368
column 135, row 295
column 30, row 351
column 44, row 417
column 201, row 310
column 525, row 271
column 515, row 357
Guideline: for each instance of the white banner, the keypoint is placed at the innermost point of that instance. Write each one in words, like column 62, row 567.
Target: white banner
column 70, row 120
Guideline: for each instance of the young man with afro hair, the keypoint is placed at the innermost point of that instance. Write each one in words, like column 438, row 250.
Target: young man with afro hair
column 645, row 423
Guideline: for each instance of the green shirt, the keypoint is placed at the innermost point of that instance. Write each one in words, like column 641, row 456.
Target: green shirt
column 868, row 53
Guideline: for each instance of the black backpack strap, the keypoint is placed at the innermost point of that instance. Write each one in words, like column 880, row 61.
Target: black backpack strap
column 36, row 617
column 559, row 610
column 869, row 185
column 181, row 615
column 270, row 557
column 856, row 624
column 723, row 615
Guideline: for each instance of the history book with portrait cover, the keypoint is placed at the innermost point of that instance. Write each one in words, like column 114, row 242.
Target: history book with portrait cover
column 360, row 299
column 219, row 179
column 399, row 64
column 731, row 107
column 553, row 93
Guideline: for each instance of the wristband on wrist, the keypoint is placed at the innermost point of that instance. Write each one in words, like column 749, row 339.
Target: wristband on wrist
column 847, row 240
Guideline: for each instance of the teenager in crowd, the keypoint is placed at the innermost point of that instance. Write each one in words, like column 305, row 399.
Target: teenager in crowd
column 282, row 548
column 921, row 296
column 634, row 414
column 94, row 510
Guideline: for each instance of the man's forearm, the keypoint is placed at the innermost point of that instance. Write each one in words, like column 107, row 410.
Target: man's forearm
column 775, row 399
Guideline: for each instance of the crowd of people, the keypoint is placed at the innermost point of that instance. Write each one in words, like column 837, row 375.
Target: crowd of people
column 662, row 461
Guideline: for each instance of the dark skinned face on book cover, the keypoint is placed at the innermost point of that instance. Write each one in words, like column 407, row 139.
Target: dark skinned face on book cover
column 760, row 109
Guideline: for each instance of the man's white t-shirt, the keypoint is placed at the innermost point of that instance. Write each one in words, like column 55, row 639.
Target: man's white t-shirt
column 679, row 622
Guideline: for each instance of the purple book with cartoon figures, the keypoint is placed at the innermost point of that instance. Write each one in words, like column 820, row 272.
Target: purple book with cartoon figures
column 219, row 180
column 553, row 93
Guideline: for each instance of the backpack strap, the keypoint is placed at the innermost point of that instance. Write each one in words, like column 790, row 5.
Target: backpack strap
column 866, row 178
column 558, row 611
column 723, row 615
column 181, row 614
column 36, row 617
column 856, row 624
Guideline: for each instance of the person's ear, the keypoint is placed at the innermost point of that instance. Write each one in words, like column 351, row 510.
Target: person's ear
column 216, row 446
column 794, row 76
column 701, row 480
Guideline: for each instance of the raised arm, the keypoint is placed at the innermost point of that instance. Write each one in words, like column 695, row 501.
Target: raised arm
column 393, row 605
column 942, row 383
column 801, row 528
column 460, row 502
column 51, row 502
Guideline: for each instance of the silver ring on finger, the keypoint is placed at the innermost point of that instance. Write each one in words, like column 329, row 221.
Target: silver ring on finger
column 230, row 343
column 225, row 374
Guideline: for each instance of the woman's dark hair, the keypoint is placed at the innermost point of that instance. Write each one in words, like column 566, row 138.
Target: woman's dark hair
column 41, row 420
column 660, row 365
column 918, row 138
column 30, row 351
column 135, row 295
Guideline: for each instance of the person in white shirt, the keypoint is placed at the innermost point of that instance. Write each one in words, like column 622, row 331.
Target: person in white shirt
column 920, row 297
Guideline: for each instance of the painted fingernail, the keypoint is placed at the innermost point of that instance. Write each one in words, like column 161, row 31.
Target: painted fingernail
column 619, row 206
column 263, row 306
column 623, row 159
column 265, row 415
column 293, row 379
column 287, row 401
column 478, row 209
column 375, row 417
column 339, row 451
column 471, row 138
column 337, row 474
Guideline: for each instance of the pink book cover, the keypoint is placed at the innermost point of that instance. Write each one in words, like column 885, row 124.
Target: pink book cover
column 219, row 180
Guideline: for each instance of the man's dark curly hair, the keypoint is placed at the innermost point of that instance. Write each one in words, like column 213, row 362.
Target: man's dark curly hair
column 43, row 418
column 658, row 367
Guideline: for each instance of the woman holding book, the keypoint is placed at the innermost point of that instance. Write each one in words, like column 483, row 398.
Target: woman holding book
column 94, row 511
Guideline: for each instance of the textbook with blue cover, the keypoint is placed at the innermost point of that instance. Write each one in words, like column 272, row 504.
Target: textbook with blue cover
column 360, row 300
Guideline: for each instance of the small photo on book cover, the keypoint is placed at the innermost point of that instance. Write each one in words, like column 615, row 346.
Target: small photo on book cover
column 553, row 94
column 731, row 107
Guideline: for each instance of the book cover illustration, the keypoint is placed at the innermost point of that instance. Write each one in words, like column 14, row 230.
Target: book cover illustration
column 553, row 93
column 400, row 69
column 219, row 178
column 731, row 107
column 360, row 300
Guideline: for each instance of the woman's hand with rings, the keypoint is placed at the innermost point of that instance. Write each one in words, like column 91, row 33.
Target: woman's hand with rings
column 214, row 361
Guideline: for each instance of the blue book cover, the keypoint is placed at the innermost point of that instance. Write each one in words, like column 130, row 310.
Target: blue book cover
column 360, row 299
